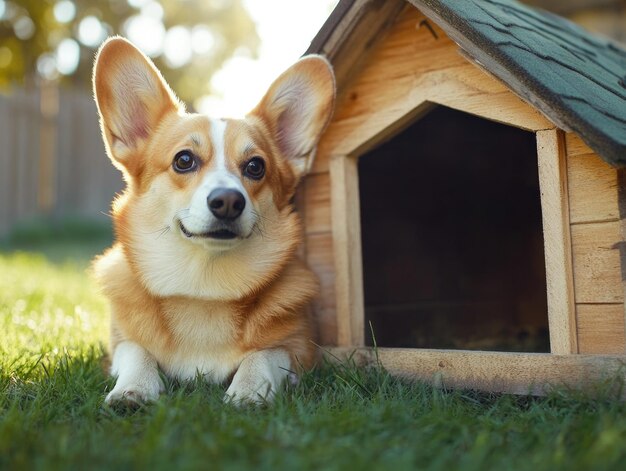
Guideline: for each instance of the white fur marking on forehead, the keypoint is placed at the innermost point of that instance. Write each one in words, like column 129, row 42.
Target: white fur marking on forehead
column 218, row 131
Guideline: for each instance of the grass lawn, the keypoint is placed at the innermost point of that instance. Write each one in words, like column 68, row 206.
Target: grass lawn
column 53, row 327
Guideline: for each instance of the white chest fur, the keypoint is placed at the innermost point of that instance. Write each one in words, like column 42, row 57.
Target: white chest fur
column 204, row 341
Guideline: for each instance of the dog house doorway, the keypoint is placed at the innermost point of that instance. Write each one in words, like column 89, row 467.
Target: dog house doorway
column 451, row 233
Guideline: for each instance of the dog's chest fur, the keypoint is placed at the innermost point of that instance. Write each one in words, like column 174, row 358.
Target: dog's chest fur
column 204, row 340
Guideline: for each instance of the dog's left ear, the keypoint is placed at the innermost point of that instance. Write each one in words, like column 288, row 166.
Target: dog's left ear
column 297, row 108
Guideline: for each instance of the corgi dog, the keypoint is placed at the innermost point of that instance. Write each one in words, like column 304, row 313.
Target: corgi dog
column 203, row 277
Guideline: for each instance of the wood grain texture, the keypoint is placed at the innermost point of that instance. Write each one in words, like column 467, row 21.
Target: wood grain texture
column 23, row 120
column 592, row 189
column 317, row 203
column 601, row 328
column 407, row 72
column 575, row 145
column 49, row 106
column 350, row 32
column 516, row 373
column 621, row 197
column 596, row 260
column 557, row 241
column 346, row 222
column 7, row 217
column 298, row 202
column 320, row 258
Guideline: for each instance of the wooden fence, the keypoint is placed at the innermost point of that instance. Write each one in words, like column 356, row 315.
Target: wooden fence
column 52, row 160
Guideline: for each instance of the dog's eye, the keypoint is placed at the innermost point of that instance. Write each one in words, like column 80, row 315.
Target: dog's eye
column 184, row 161
column 255, row 168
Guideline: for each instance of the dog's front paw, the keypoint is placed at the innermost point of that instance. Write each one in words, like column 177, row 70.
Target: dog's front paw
column 250, row 389
column 133, row 395
column 138, row 379
column 259, row 377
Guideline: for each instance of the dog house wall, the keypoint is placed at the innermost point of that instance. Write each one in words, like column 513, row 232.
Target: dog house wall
column 407, row 69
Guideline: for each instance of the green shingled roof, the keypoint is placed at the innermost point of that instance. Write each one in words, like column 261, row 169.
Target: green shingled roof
column 576, row 79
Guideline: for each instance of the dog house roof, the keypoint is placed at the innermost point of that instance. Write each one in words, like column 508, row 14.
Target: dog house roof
column 576, row 79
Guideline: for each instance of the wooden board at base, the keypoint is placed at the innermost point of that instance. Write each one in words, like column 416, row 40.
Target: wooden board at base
column 515, row 373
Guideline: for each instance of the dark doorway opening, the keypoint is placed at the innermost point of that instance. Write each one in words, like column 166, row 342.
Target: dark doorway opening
column 452, row 237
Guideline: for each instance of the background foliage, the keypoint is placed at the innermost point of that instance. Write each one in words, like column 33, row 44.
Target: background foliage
column 34, row 35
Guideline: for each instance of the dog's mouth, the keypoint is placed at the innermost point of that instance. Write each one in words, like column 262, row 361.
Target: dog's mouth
column 219, row 234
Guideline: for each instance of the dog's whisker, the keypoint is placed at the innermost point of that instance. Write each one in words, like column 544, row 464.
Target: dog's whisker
column 182, row 213
column 155, row 232
column 165, row 230
column 262, row 217
column 261, row 220
column 257, row 228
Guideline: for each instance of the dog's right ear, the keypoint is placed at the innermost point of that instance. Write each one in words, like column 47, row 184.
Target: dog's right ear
column 132, row 98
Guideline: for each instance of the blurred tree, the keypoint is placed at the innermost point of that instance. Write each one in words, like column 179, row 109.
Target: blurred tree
column 56, row 39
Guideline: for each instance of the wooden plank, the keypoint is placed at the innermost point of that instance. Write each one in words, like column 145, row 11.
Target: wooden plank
column 103, row 178
column 298, row 203
column 49, row 106
column 557, row 241
column 347, row 43
column 81, row 166
column 575, row 145
column 10, row 149
column 621, row 203
column 25, row 158
column 320, row 258
column 592, row 189
column 601, row 328
column 408, row 71
column 346, row 222
column 596, row 260
column 27, row 148
column 317, row 203
column 516, row 373
column 67, row 177
column 6, row 177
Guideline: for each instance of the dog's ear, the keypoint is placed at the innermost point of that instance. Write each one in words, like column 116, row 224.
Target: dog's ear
column 297, row 107
column 132, row 97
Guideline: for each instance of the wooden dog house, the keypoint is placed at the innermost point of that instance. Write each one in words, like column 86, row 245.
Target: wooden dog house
column 464, row 203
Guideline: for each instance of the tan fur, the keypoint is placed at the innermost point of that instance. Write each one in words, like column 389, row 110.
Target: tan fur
column 191, row 309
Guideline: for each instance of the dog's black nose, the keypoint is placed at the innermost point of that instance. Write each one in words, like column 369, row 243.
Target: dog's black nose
column 226, row 203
